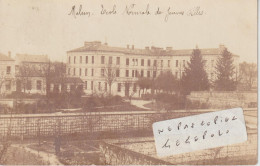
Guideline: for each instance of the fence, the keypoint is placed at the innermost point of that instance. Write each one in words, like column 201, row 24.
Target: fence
column 32, row 125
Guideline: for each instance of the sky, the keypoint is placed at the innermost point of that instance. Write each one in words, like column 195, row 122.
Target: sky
column 45, row 26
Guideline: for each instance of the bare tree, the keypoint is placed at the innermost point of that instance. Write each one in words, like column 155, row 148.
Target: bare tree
column 111, row 72
column 24, row 73
column 248, row 74
column 3, row 79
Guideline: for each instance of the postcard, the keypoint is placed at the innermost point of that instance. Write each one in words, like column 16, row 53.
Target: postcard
column 126, row 82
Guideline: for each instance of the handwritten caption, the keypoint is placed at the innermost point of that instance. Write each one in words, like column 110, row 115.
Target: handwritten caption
column 199, row 132
column 134, row 10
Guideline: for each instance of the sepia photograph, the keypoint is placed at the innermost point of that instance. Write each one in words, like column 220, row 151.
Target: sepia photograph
column 126, row 82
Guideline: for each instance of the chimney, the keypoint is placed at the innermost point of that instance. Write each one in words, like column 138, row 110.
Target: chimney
column 222, row 46
column 147, row 48
column 133, row 47
column 127, row 46
column 9, row 54
column 168, row 48
column 93, row 43
column 105, row 43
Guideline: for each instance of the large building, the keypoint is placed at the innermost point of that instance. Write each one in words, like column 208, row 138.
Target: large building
column 100, row 65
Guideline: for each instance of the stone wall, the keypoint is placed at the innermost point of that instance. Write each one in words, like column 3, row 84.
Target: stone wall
column 217, row 99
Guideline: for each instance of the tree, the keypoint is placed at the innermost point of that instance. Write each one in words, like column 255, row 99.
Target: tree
column 110, row 74
column 247, row 74
column 167, row 82
column 3, row 79
column 144, row 84
column 225, row 72
column 24, row 74
column 195, row 77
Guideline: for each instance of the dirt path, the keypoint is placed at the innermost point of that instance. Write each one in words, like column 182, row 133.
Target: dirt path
column 140, row 103
column 48, row 157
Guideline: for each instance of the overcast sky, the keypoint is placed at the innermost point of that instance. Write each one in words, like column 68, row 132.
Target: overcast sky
column 45, row 27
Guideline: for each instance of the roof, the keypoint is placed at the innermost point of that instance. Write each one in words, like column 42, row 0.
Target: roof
column 32, row 58
column 97, row 46
column 5, row 58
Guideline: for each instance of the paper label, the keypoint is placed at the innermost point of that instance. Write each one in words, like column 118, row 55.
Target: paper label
column 199, row 132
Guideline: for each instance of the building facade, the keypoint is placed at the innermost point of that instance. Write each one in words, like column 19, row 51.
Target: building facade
column 7, row 74
column 100, row 65
column 30, row 73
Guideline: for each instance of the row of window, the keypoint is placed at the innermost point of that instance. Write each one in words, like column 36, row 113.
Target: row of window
column 105, row 86
column 114, row 73
column 28, row 85
column 110, row 61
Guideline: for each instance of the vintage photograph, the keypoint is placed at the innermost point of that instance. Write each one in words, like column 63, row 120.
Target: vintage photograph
column 125, row 82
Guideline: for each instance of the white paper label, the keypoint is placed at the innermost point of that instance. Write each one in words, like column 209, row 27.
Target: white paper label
column 199, row 132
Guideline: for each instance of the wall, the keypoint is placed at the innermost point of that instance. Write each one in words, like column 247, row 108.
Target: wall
column 225, row 99
column 32, row 125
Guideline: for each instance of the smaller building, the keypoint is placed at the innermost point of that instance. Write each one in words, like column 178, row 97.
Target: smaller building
column 31, row 73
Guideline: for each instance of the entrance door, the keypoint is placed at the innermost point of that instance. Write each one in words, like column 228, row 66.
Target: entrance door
column 18, row 86
column 127, row 85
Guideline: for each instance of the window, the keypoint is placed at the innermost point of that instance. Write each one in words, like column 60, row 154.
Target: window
column 142, row 73
column 56, row 88
column 92, row 72
column 136, row 62
column 161, row 63
column 8, row 69
column 86, row 84
column 110, row 60
column 212, row 63
column 99, row 86
column 183, row 63
column 86, row 72
column 148, row 73
column 80, row 59
column 74, row 59
column 119, row 87
column 92, row 85
column 69, row 59
column 8, row 85
column 102, row 59
column 102, row 72
column 74, row 71
column 39, row 84
column 155, row 63
column 80, row 72
column 148, row 62
column 136, row 73
column 117, row 73
column 93, row 60
column 154, row 74
column 169, row 63
column 133, row 73
column 105, row 86
column 86, row 59
column 134, row 87
column 142, row 62
column 127, row 73
column 118, row 60
column 68, row 71
column 177, row 63
column 127, row 61
column 72, row 87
